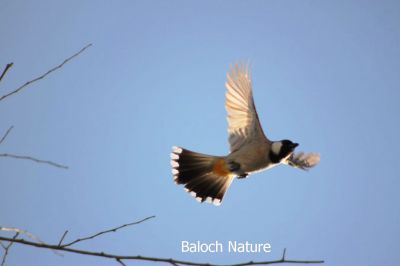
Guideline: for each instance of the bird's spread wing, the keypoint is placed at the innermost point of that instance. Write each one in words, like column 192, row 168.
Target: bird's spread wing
column 303, row 161
column 242, row 115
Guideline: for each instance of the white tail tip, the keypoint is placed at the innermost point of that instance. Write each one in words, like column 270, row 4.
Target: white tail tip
column 177, row 150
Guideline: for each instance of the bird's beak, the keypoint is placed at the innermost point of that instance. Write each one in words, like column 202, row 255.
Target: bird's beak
column 294, row 145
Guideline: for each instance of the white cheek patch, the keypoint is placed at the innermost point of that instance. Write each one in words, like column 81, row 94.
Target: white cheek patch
column 276, row 147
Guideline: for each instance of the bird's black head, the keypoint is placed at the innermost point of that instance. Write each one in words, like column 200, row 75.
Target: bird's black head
column 281, row 149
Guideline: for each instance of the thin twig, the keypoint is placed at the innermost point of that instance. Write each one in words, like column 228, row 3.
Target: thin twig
column 120, row 262
column 8, row 66
column 144, row 258
column 28, row 234
column 6, row 134
column 62, row 238
column 106, row 231
column 284, row 254
column 7, row 248
column 23, row 157
column 21, row 231
column 45, row 74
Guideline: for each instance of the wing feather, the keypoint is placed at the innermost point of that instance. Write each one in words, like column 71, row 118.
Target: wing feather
column 242, row 115
column 303, row 161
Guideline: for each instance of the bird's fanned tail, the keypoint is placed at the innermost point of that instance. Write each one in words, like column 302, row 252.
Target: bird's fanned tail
column 206, row 177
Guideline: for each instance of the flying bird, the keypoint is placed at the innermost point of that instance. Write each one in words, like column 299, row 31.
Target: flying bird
column 207, row 177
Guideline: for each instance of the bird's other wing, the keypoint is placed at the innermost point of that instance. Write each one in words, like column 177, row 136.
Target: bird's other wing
column 242, row 115
column 303, row 161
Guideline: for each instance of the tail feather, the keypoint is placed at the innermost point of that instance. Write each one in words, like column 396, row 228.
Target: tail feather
column 201, row 174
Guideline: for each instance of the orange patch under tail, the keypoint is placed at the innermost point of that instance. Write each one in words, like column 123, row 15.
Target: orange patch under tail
column 220, row 168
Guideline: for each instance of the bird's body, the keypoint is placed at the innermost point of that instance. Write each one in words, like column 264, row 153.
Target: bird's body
column 208, row 177
column 251, row 156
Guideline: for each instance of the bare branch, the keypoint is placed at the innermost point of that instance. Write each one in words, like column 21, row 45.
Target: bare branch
column 8, row 66
column 7, row 248
column 23, row 157
column 144, row 258
column 21, row 231
column 45, row 74
column 62, row 238
column 28, row 234
column 106, row 231
column 120, row 258
column 6, row 134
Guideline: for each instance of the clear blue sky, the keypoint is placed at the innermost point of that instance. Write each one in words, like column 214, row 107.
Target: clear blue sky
column 325, row 74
